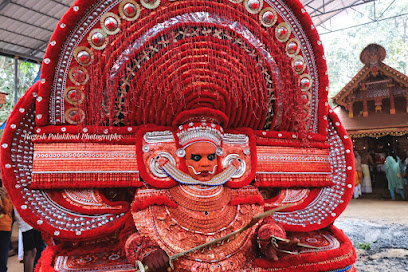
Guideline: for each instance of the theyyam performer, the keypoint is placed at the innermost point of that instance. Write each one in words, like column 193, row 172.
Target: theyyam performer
column 182, row 135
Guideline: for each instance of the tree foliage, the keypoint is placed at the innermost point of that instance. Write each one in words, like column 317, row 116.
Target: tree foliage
column 26, row 75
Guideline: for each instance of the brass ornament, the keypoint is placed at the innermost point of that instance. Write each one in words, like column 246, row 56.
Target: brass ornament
column 298, row 64
column 150, row 4
column 282, row 32
column 74, row 116
column 292, row 47
column 305, row 82
column 268, row 17
column 83, row 55
column 129, row 10
column 78, row 75
column 73, row 95
column 253, row 6
column 98, row 38
column 110, row 22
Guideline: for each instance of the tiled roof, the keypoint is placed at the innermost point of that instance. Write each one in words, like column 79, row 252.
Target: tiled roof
column 362, row 76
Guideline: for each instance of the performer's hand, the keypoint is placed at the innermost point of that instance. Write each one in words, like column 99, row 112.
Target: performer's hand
column 157, row 261
column 278, row 248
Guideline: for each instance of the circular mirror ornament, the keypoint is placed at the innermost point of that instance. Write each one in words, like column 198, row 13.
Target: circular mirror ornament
column 98, row 38
column 74, row 116
column 129, row 10
column 73, row 95
column 298, row 64
column 282, row 32
column 150, row 4
column 78, row 75
column 253, row 6
column 305, row 82
column 268, row 17
column 292, row 47
column 110, row 22
column 83, row 55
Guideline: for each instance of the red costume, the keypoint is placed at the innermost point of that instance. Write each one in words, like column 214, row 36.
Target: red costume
column 94, row 155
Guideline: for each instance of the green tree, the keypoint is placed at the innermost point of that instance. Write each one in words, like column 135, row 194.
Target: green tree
column 26, row 75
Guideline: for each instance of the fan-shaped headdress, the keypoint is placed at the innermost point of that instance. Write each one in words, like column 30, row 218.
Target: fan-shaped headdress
column 118, row 72
column 259, row 63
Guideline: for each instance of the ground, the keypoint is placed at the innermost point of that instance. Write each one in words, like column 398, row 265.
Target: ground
column 377, row 228
column 379, row 231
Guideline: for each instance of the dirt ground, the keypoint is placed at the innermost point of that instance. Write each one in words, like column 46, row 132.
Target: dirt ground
column 377, row 210
column 379, row 232
column 377, row 228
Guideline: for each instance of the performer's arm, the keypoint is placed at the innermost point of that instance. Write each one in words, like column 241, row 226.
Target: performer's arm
column 139, row 248
column 270, row 243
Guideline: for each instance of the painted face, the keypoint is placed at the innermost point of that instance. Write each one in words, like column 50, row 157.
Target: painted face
column 201, row 161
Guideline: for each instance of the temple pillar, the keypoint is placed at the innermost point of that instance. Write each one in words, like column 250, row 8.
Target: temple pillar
column 406, row 98
column 405, row 93
column 349, row 105
column 363, row 88
column 392, row 101
column 349, row 108
column 378, row 104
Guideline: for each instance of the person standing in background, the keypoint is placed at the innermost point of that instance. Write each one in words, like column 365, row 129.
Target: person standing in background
column 404, row 169
column 359, row 175
column 367, row 163
column 32, row 243
column 394, row 174
column 6, row 220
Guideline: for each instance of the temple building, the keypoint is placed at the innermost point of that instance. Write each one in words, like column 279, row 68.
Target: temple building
column 373, row 106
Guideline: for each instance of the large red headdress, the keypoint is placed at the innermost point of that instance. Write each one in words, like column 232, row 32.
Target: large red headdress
column 117, row 73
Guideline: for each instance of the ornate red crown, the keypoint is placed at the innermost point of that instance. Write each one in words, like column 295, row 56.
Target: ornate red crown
column 200, row 125
column 199, row 132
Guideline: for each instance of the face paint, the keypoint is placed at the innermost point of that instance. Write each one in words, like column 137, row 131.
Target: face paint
column 201, row 160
